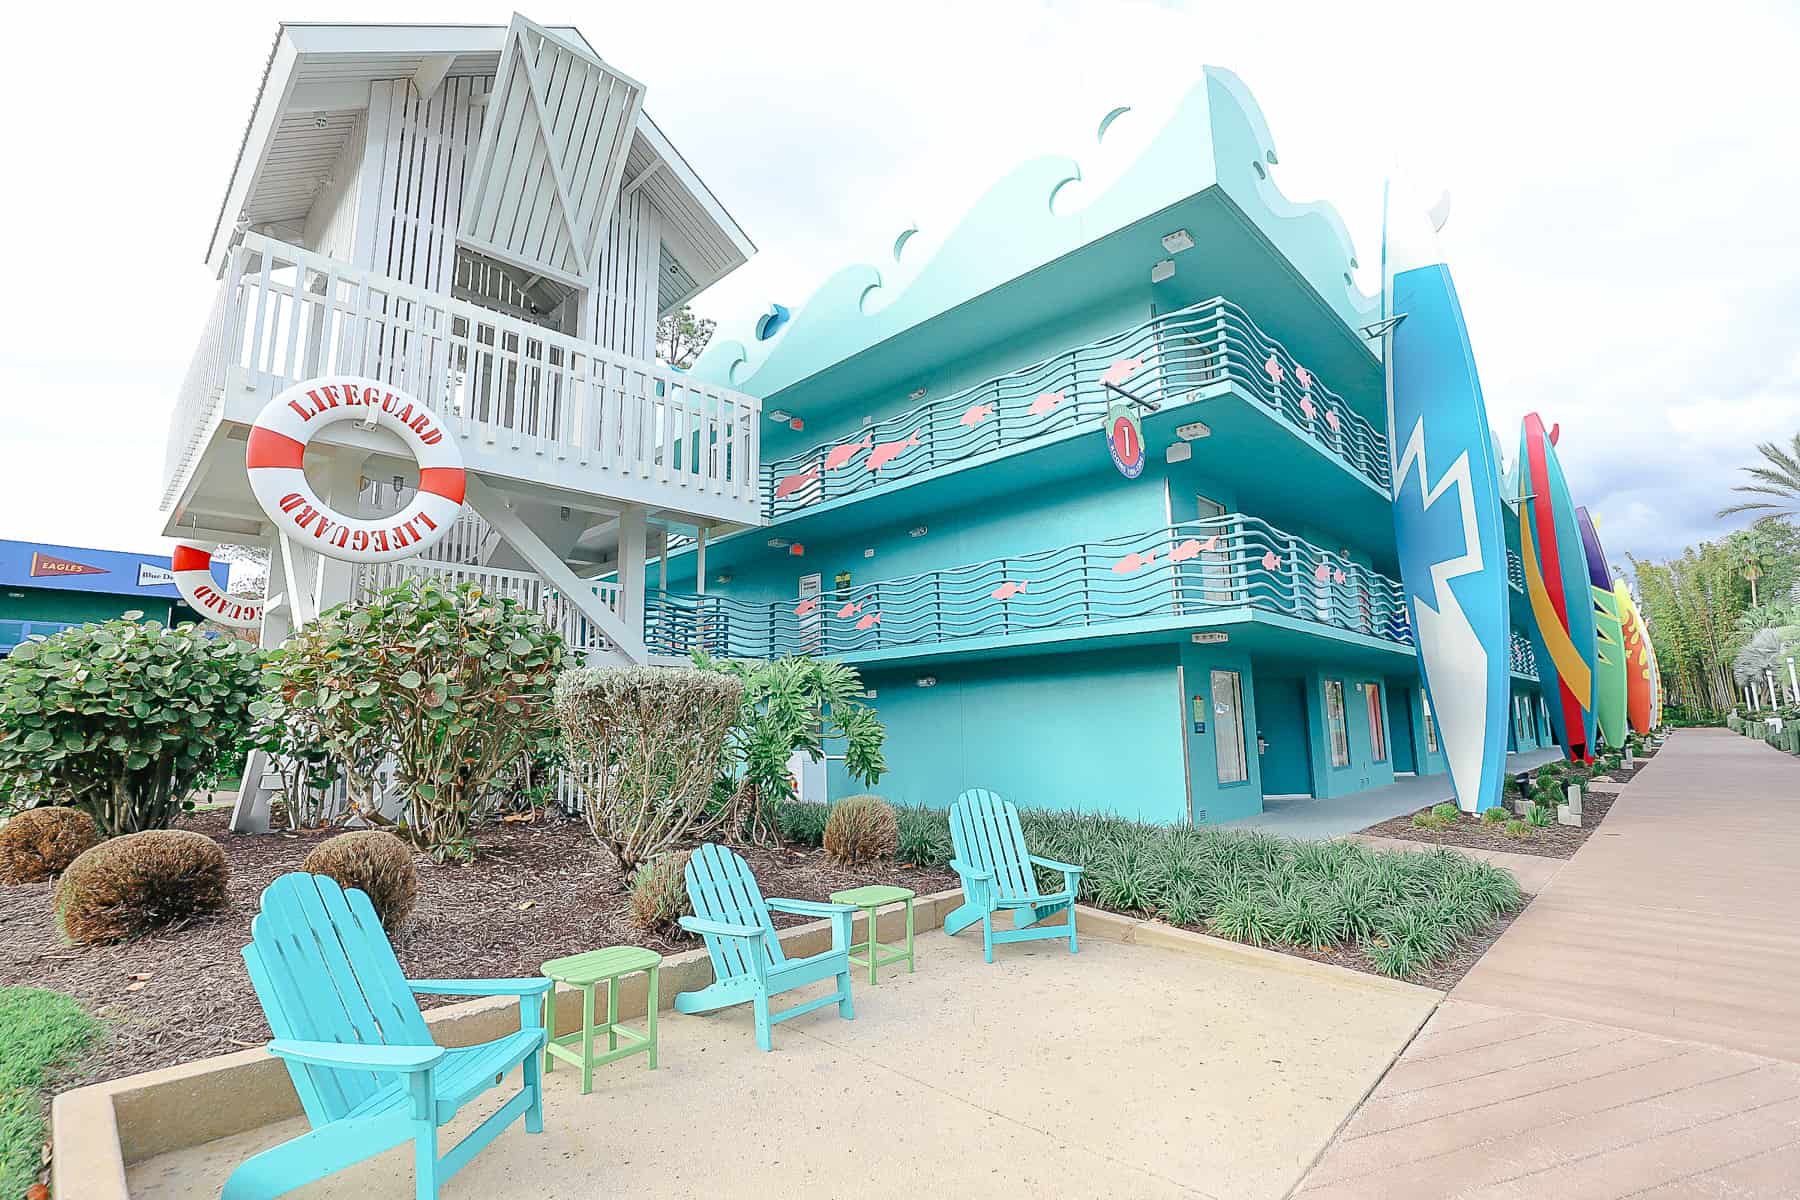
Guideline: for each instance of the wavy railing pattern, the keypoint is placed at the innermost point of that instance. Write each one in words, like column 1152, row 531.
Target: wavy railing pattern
column 1523, row 657
column 1208, row 343
column 1232, row 561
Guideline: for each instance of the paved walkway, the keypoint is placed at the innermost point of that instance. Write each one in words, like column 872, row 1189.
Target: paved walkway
column 1637, row 1031
column 1305, row 817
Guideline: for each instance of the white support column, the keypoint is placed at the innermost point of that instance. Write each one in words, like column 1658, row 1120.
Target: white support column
column 700, row 563
column 632, row 554
column 1793, row 680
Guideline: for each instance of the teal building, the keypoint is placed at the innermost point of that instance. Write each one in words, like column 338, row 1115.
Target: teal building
column 1097, row 496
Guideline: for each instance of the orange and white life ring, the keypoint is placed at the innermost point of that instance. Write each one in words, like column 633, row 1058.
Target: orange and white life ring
column 277, row 453
column 192, row 568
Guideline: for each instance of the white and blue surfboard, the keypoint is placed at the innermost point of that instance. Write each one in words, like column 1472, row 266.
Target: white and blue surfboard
column 1447, row 520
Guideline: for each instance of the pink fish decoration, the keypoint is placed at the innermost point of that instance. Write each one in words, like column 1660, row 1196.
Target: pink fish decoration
column 807, row 607
column 849, row 610
column 1304, row 376
column 869, row 622
column 1133, row 561
column 1121, row 370
column 840, row 456
column 1045, row 403
column 1009, row 589
column 1186, row 550
column 887, row 452
column 1322, row 572
column 1331, row 419
column 1270, row 561
column 1273, row 367
column 974, row 414
column 794, row 483
column 1306, row 407
column 1337, row 575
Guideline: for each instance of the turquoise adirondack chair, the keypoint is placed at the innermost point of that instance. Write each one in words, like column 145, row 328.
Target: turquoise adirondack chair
column 733, row 918
column 997, row 876
column 358, row 1050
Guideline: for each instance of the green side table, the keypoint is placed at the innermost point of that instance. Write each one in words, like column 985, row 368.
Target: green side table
column 869, row 899
column 587, row 971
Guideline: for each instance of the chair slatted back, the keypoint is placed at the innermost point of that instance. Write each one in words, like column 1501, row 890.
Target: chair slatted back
column 986, row 833
column 325, row 972
column 721, row 888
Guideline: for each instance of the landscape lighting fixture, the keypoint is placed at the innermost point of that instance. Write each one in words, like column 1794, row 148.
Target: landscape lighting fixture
column 1162, row 270
column 1178, row 241
column 1193, row 431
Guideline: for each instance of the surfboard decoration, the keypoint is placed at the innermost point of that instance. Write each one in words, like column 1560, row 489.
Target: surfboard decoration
column 1556, row 584
column 1637, row 660
column 1447, row 522
column 1608, row 700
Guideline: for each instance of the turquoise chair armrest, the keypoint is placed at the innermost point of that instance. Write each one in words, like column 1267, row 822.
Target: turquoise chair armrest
column 353, row 1056
column 535, row 986
column 720, row 928
column 964, row 869
column 810, row 908
column 1052, row 864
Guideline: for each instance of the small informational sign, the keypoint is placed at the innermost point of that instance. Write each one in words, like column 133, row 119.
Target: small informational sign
column 1199, row 714
column 153, row 576
column 842, row 581
column 1209, row 639
column 1125, row 440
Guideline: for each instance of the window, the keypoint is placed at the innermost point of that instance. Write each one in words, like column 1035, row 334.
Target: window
column 1430, row 725
column 1377, row 728
column 1228, row 727
column 1334, row 723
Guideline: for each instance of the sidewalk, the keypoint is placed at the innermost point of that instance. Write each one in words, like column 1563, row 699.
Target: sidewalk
column 1637, row 1031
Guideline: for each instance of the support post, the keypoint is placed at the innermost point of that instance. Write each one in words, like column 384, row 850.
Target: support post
column 700, row 563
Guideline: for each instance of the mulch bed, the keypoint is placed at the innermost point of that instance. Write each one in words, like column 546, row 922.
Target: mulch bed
column 1550, row 841
column 536, row 892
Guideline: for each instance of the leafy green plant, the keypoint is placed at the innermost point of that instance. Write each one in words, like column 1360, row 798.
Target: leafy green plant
column 788, row 705
column 1541, row 816
column 1430, row 818
column 1244, row 918
column 1516, row 829
column 40, row 1032
column 1123, row 878
column 646, row 743
column 1309, row 916
column 122, row 719
column 804, row 824
column 924, row 836
column 453, row 683
column 1495, row 815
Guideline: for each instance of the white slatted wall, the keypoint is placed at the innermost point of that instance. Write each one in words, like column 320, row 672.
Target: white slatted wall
column 331, row 221
column 413, row 174
column 625, row 311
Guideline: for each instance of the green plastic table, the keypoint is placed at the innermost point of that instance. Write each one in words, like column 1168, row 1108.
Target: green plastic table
column 587, row 971
column 869, row 899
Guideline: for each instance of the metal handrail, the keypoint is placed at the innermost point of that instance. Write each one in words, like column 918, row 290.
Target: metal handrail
column 1208, row 343
column 1193, row 568
column 1522, row 657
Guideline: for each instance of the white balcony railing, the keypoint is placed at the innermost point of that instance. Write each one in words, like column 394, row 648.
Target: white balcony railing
column 529, row 589
column 284, row 314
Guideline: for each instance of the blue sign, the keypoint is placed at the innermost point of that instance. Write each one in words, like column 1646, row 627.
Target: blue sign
column 80, row 569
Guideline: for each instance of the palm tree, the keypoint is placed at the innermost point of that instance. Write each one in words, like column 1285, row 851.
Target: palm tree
column 1780, row 479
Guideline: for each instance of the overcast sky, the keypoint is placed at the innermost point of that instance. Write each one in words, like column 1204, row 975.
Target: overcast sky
column 1625, row 230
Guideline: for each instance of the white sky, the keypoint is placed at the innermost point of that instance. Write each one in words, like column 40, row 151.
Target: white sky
column 1625, row 232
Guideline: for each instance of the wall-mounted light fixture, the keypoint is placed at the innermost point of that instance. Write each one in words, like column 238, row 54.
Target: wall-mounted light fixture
column 778, row 543
column 1178, row 452
column 916, row 531
column 1162, row 270
column 916, row 395
column 780, row 414
column 928, row 681
column 1178, row 241
column 1193, row 431
column 869, row 553
column 721, row 579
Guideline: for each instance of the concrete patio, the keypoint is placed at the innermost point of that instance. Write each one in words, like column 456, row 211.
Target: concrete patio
column 1164, row 1065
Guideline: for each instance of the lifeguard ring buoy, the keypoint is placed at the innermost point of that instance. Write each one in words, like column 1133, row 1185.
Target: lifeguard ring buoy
column 277, row 452
column 192, row 568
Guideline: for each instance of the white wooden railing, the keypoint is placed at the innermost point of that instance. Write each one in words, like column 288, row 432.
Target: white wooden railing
column 284, row 314
column 529, row 589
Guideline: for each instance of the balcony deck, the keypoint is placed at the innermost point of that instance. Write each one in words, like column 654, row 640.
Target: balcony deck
column 530, row 407
column 1227, row 571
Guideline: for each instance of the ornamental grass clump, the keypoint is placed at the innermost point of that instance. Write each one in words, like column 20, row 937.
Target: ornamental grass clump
column 861, row 829
column 374, row 861
column 41, row 842
column 646, row 743
column 924, row 836
column 140, row 882
column 804, row 824
column 1495, row 815
column 123, row 720
column 659, row 896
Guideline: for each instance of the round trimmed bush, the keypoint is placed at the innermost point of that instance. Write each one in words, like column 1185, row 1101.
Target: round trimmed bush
column 41, row 842
column 142, row 881
column 861, row 829
column 375, row 861
column 659, row 896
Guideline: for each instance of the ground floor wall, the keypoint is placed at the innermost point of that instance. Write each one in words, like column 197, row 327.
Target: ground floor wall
column 27, row 611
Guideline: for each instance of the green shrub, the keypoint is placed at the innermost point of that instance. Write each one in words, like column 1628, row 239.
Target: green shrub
column 374, row 861
column 647, row 742
column 924, row 836
column 124, row 720
column 452, row 683
column 41, row 842
column 1244, row 918
column 1307, row 916
column 1431, row 818
column 861, row 829
column 1122, row 878
column 1516, row 829
column 659, row 896
column 804, row 824
column 140, row 882
column 1447, row 811
column 1541, row 815
column 40, row 1032
column 1494, row 815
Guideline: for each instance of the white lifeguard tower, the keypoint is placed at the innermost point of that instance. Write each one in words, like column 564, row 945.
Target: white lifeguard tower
column 485, row 218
